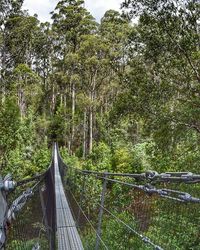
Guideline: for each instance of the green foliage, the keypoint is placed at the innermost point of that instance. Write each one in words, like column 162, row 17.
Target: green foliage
column 71, row 161
column 17, row 140
column 26, row 161
column 20, row 245
column 20, row 34
column 120, row 158
column 10, row 124
column 130, row 159
column 121, row 237
column 101, row 158
column 118, row 96
column 175, row 230
column 58, row 126
column 41, row 157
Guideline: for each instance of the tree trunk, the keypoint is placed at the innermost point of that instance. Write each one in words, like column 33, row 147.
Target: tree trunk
column 84, row 133
column 53, row 101
column 90, row 129
column 91, row 111
column 73, row 111
column 61, row 99
column 3, row 68
column 69, row 147
column 21, row 102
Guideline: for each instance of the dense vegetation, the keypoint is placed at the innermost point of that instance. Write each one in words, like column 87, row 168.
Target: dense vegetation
column 122, row 95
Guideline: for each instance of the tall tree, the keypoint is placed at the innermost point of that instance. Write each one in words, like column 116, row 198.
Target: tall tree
column 28, row 88
column 164, row 48
column 70, row 22
column 20, row 35
column 94, row 62
column 8, row 9
column 114, row 30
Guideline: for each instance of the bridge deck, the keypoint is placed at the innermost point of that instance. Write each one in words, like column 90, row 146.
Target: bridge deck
column 67, row 234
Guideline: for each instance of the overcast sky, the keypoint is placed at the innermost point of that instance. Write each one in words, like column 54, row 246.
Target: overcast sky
column 44, row 7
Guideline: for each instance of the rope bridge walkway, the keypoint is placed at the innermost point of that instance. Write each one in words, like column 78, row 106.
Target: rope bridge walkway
column 68, row 208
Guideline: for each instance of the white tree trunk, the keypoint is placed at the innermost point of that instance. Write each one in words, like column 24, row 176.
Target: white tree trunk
column 73, row 111
column 84, row 133
column 90, row 130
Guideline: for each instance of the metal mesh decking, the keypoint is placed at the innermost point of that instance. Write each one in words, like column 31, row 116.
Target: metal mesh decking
column 67, row 234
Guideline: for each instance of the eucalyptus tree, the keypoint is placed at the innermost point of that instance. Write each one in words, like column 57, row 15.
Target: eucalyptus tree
column 27, row 86
column 43, row 52
column 8, row 9
column 70, row 22
column 10, row 124
column 20, row 34
column 114, row 30
column 163, row 80
column 94, row 70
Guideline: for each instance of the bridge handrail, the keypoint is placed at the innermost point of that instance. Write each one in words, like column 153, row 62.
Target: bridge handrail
column 152, row 176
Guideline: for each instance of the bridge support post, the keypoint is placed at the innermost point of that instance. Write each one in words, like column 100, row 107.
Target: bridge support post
column 41, row 192
column 81, row 199
column 100, row 217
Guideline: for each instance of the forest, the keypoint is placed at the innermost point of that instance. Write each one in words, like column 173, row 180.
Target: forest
column 120, row 95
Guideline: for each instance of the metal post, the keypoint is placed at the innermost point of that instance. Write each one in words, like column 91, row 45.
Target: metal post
column 81, row 199
column 41, row 192
column 3, row 210
column 100, row 217
column 6, row 185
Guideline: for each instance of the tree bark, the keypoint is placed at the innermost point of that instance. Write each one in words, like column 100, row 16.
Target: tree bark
column 84, row 133
column 3, row 66
column 53, row 101
column 90, row 129
column 73, row 111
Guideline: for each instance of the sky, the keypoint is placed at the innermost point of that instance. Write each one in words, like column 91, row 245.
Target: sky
column 96, row 7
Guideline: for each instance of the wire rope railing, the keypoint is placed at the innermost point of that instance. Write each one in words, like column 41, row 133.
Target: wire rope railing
column 24, row 220
column 130, row 214
column 110, row 210
column 44, row 219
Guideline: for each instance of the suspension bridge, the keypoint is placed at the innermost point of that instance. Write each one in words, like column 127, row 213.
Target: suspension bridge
column 69, row 208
